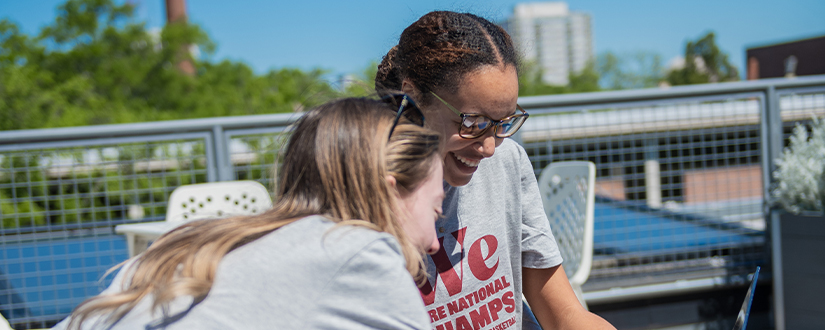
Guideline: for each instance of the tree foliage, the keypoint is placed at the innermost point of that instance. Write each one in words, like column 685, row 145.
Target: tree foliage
column 530, row 82
column 641, row 69
column 363, row 84
column 704, row 63
column 89, row 192
column 609, row 71
column 95, row 64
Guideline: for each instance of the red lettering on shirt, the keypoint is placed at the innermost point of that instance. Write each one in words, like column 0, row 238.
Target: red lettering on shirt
column 441, row 313
column 445, row 270
column 489, row 305
column 452, row 307
column 461, row 323
column 482, row 294
column 445, row 326
column 477, row 262
column 490, row 289
column 506, row 324
column 508, row 300
column 433, row 316
column 480, row 317
column 469, row 298
column 494, row 307
column 462, row 304
column 480, row 309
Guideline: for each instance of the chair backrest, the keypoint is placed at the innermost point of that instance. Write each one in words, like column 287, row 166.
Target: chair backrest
column 4, row 324
column 217, row 200
column 567, row 191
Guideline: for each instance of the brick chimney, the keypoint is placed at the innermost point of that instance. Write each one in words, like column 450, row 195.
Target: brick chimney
column 176, row 12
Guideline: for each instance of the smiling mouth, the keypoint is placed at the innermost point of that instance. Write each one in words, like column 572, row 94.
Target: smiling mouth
column 467, row 162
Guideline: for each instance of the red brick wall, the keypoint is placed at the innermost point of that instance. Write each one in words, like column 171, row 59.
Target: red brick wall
column 610, row 188
column 730, row 183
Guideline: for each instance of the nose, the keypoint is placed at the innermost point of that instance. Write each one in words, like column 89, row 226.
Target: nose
column 487, row 143
column 434, row 245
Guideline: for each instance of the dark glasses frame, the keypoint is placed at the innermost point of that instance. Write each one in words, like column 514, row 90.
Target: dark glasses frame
column 406, row 107
column 493, row 123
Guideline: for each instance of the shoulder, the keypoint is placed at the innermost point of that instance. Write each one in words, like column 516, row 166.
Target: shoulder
column 514, row 148
column 353, row 251
column 509, row 162
column 330, row 232
column 509, row 155
column 317, row 238
column 371, row 289
column 340, row 240
column 511, row 146
column 509, row 149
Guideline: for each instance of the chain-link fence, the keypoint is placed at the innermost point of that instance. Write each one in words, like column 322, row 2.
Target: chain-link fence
column 63, row 191
column 678, row 185
column 682, row 178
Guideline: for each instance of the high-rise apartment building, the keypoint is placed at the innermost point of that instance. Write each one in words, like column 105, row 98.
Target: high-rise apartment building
column 560, row 42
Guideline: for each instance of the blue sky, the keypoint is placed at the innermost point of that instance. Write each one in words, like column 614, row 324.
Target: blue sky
column 344, row 36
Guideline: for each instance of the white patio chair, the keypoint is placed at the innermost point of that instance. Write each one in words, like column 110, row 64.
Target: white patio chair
column 199, row 201
column 567, row 191
column 4, row 324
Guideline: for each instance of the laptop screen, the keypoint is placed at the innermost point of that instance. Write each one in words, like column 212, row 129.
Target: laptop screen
column 742, row 318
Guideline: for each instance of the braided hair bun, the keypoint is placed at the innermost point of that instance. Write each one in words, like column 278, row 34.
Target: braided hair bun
column 439, row 49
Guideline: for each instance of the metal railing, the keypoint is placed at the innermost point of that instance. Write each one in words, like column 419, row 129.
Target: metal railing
column 681, row 177
column 63, row 190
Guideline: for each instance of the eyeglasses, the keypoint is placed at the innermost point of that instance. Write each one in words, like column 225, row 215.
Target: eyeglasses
column 407, row 107
column 475, row 125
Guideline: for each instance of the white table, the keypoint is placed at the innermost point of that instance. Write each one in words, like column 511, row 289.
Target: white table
column 140, row 235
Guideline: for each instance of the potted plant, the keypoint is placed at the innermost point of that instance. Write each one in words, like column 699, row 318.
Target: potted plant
column 798, row 234
column 799, row 174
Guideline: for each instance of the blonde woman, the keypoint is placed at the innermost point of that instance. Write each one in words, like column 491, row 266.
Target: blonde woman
column 355, row 209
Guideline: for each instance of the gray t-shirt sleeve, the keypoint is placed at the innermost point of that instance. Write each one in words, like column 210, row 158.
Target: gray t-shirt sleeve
column 372, row 290
column 538, row 246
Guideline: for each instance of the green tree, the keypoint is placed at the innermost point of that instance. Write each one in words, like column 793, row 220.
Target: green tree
column 363, row 84
column 96, row 65
column 640, row 69
column 585, row 81
column 531, row 83
column 704, row 63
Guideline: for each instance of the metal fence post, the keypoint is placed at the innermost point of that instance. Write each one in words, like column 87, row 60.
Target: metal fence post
column 775, row 127
column 222, row 162
column 776, row 266
column 773, row 139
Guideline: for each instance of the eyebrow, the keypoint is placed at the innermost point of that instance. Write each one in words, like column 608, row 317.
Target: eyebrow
column 512, row 112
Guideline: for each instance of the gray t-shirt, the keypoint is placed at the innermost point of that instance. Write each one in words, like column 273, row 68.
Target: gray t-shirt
column 493, row 226
column 306, row 275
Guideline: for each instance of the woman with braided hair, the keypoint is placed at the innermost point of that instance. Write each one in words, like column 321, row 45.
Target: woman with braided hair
column 496, row 243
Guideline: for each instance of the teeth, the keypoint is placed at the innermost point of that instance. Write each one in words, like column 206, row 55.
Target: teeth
column 466, row 161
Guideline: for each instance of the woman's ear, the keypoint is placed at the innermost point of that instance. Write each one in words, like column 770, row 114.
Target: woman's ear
column 391, row 180
column 407, row 87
